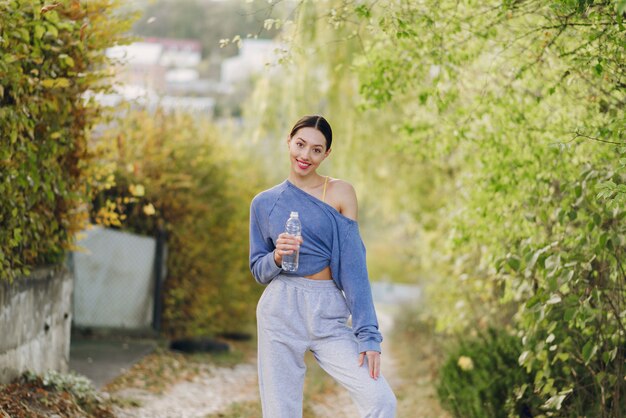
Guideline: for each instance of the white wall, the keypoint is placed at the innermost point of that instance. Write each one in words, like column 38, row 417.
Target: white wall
column 114, row 280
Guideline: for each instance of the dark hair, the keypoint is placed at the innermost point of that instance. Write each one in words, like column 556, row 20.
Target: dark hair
column 316, row 122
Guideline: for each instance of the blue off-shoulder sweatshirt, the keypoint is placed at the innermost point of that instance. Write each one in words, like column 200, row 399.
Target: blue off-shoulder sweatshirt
column 329, row 238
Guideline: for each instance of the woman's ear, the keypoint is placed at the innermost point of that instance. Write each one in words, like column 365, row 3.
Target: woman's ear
column 327, row 152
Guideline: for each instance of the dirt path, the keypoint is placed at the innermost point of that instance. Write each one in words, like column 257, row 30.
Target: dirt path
column 215, row 388
column 212, row 390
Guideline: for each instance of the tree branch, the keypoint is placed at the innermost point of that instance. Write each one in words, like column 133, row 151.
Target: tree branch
column 578, row 134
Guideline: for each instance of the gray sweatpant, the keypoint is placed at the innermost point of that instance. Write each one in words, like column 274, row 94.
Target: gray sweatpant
column 296, row 314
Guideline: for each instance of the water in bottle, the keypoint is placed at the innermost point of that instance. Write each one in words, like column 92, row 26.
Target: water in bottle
column 292, row 227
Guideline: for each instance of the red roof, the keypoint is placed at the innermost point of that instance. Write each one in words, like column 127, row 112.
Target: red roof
column 179, row 44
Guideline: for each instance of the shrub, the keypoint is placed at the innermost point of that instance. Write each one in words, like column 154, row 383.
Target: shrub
column 174, row 172
column 481, row 375
column 79, row 386
column 49, row 58
column 53, row 394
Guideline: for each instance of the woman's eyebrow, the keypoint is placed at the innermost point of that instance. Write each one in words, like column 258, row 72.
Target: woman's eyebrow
column 303, row 140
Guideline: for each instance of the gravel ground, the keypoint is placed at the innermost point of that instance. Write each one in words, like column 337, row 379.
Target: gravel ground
column 210, row 391
column 214, row 388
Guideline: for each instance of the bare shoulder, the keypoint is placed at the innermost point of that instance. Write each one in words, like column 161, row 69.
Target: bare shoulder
column 343, row 188
column 343, row 197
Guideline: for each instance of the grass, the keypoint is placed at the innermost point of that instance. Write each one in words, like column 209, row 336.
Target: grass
column 253, row 410
column 240, row 410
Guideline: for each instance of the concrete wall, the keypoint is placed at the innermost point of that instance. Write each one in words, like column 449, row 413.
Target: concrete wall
column 35, row 323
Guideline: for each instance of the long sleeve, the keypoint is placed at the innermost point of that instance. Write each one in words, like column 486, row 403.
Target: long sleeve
column 356, row 286
column 262, row 264
column 330, row 239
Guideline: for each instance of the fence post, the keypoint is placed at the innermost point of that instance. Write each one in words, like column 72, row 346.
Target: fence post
column 161, row 237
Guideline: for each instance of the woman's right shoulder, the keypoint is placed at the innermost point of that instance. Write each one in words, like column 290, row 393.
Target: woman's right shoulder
column 267, row 197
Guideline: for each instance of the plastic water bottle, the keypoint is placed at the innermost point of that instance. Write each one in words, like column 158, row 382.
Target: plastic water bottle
column 292, row 227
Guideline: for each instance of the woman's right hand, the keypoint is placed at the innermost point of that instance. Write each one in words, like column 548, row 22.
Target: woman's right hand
column 286, row 244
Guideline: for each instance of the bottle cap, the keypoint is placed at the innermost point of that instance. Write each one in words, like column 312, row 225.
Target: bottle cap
column 294, row 214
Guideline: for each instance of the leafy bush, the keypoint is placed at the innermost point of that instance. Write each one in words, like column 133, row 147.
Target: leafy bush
column 479, row 377
column 78, row 385
column 531, row 130
column 50, row 56
column 174, row 172
column 53, row 394
column 572, row 278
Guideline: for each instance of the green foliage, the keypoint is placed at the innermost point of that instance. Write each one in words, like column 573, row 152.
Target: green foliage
column 50, row 57
column 570, row 282
column 529, row 117
column 174, row 172
column 479, row 376
column 503, row 140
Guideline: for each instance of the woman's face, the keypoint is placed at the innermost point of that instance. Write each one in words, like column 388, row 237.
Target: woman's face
column 307, row 150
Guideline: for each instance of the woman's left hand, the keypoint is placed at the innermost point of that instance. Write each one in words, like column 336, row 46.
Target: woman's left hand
column 373, row 362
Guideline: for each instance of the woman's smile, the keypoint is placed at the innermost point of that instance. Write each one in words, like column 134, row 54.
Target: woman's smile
column 303, row 164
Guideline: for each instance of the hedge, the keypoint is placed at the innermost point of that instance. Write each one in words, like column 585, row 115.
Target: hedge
column 180, row 174
column 51, row 58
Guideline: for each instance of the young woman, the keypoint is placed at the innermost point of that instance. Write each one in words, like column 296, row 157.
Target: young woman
column 309, row 309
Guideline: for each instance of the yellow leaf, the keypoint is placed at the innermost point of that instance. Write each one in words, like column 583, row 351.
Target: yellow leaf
column 465, row 363
column 149, row 209
column 55, row 82
column 137, row 190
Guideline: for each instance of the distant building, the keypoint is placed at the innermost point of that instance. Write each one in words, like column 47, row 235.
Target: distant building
column 151, row 70
column 139, row 64
column 254, row 56
column 151, row 62
column 179, row 53
column 195, row 105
